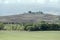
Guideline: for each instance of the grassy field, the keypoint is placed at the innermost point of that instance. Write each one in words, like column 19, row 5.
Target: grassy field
column 42, row 35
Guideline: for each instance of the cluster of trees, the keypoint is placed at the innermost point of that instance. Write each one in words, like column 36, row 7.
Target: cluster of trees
column 42, row 26
column 39, row 12
column 13, row 27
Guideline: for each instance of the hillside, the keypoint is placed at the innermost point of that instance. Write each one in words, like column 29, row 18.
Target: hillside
column 30, row 17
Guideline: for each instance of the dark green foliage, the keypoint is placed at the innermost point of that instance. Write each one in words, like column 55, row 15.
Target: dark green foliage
column 54, row 26
column 29, row 12
column 44, row 27
column 28, row 26
column 41, row 26
column 1, row 26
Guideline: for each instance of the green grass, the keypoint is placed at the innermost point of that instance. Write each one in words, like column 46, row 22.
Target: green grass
column 42, row 35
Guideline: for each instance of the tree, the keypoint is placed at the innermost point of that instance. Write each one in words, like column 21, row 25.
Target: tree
column 29, row 28
column 29, row 12
column 1, row 26
column 41, row 12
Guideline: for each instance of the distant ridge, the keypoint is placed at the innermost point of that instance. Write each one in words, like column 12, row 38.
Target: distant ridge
column 30, row 17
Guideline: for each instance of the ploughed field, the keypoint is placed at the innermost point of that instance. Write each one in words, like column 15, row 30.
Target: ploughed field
column 23, row 35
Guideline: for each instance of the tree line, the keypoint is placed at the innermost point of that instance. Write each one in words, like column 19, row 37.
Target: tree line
column 41, row 26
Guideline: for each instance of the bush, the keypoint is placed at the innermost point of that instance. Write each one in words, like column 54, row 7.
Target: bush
column 41, row 26
column 1, row 26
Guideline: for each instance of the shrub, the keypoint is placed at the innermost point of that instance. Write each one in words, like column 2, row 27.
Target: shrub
column 1, row 26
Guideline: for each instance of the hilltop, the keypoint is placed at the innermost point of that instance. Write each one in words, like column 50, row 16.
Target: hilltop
column 31, row 17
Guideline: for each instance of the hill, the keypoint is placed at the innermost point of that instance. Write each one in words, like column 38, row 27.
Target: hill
column 30, row 17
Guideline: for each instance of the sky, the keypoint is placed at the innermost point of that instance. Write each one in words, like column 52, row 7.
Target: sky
column 11, row 7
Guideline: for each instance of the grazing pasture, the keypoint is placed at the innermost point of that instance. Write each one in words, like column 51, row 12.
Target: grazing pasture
column 23, row 35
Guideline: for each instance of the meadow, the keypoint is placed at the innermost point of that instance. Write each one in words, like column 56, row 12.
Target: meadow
column 23, row 35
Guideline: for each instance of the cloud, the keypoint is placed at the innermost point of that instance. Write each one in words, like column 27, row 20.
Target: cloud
column 41, row 1
column 6, row 2
column 54, row 1
column 52, row 6
column 30, row 1
column 33, row 1
column 18, row 1
column 49, row 3
column 0, row 1
column 23, row 1
column 54, row 13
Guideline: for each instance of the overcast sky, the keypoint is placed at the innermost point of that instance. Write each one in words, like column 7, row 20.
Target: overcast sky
column 8, row 7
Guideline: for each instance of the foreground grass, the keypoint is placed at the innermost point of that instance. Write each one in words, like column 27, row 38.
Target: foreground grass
column 42, row 35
